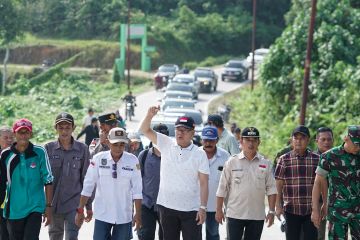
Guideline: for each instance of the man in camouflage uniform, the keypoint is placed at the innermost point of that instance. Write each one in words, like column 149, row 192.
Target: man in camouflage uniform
column 107, row 122
column 341, row 165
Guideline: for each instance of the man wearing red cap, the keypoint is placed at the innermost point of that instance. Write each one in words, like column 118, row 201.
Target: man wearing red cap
column 24, row 171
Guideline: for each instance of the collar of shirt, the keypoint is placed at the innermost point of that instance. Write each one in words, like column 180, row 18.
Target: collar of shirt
column 242, row 156
column 293, row 154
column 224, row 133
column 74, row 145
column 29, row 151
column 188, row 148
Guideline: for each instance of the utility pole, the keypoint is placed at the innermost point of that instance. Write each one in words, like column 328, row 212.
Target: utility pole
column 253, row 46
column 307, row 63
column 128, row 48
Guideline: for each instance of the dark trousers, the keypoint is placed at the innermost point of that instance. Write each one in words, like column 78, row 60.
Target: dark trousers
column 4, row 235
column 236, row 227
column 149, row 217
column 212, row 227
column 173, row 222
column 27, row 228
column 294, row 224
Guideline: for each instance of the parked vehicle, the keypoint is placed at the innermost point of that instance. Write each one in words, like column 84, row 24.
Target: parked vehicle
column 181, row 87
column 178, row 94
column 259, row 56
column 176, row 103
column 207, row 79
column 235, row 70
column 165, row 73
column 188, row 80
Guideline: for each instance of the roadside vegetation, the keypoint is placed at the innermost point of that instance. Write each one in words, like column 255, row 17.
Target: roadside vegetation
column 334, row 92
column 40, row 99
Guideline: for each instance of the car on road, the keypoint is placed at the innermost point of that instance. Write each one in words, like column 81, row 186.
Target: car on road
column 195, row 114
column 169, row 121
column 207, row 78
column 176, row 103
column 178, row 94
column 181, row 87
column 259, row 56
column 235, row 70
column 188, row 80
column 165, row 72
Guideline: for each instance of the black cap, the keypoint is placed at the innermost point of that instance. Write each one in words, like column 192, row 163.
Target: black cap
column 109, row 118
column 94, row 119
column 301, row 129
column 250, row 132
column 161, row 128
column 184, row 121
column 64, row 117
column 216, row 120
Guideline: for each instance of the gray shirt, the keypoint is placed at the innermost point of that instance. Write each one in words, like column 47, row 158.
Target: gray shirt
column 150, row 178
column 69, row 168
column 228, row 142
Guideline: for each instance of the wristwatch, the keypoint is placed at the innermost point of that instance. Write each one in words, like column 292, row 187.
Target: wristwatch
column 203, row 207
column 271, row 212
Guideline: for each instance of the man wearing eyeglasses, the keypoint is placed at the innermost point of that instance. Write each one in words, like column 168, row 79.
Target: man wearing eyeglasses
column 24, row 175
column 117, row 177
column 107, row 122
column 340, row 166
column 183, row 191
column 69, row 160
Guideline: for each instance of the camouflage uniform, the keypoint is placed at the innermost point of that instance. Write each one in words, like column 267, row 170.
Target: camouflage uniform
column 343, row 172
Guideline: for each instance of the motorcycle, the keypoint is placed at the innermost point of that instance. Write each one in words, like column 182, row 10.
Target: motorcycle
column 159, row 84
column 129, row 111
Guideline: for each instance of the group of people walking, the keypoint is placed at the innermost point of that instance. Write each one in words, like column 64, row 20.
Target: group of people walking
column 176, row 184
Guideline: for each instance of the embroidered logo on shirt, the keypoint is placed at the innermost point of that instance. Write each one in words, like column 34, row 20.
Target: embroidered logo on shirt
column 127, row 168
column 33, row 165
column 103, row 161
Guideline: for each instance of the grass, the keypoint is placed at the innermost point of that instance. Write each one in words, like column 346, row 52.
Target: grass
column 73, row 93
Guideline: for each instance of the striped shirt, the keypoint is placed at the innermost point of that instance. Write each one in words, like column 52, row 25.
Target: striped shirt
column 298, row 174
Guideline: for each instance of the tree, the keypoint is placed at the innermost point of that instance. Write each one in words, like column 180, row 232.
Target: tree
column 10, row 29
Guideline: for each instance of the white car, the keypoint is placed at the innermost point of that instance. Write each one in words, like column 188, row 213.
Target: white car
column 260, row 54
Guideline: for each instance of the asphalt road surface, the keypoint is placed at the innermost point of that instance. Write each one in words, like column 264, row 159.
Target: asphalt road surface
column 150, row 98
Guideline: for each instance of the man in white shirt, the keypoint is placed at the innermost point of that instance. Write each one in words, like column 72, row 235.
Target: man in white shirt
column 183, row 190
column 245, row 180
column 117, row 177
column 217, row 158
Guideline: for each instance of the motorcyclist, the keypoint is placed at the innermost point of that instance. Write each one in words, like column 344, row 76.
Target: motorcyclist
column 129, row 98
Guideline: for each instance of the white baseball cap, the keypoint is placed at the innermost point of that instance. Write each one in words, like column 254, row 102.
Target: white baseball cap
column 118, row 135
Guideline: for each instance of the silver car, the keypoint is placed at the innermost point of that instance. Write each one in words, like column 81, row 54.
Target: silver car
column 188, row 80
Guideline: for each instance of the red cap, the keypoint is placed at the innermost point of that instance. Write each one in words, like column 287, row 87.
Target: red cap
column 22, row 123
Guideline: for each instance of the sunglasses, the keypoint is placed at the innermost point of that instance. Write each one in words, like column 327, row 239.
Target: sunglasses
column 114, row 172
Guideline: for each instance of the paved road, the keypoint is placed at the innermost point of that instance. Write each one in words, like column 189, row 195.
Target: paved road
column 150, row 98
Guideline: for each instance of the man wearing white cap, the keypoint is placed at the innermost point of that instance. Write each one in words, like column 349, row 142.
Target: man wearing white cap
column 116, row 174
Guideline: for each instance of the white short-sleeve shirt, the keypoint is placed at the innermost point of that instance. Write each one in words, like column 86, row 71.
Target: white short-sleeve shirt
column 179, row 174
column 114, row 197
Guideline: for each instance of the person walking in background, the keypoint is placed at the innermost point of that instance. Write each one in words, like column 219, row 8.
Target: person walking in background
column 6, row 140
column 6, row 137
column 226, row 140
column 245, row 180
column 91, row 131
column 116, row 175
column 324, row 141
column 217, row 158
column 238, row 137
column 233, row 126
column 183, row 191
column 340, row 166
column 107, row 122
column 295, row 175
column 24, row 171
column 135, row 146
column 88, row 118
column 69, row 160
column 150, row 161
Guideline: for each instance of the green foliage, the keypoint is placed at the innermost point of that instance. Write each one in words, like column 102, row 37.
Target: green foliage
column 11, row 25
column 115, row 75
column 208, row 62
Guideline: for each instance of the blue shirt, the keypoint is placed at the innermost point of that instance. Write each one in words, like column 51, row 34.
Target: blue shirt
column 151, row 177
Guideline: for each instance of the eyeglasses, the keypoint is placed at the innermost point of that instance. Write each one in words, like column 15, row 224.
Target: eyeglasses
column 114, row 172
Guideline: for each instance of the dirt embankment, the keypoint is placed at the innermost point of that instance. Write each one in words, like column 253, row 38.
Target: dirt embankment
column 96, row 56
